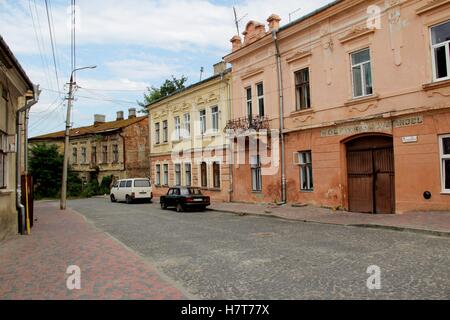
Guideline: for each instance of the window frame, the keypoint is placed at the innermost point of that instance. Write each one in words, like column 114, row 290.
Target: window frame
column 260, row 99
column 3, row 163
column 157, row 133
column 115, row 151
column 216, row 175
column 204, row 174
column 215, row 118
column 83, row 155
column 94, row 155
column 177, row 171
column 256, row 174
column 158, row 174
column 298, row 86
column 308, row 167
column 445, row 44
column 186, row 175
column 165, row 130
column 104, row 154
column 363, row 79
column 249, row 102
column 202, row 121
column 74, row 155
column 177, row 125
column 165, row 174
column 443, row 157
column 187, row 125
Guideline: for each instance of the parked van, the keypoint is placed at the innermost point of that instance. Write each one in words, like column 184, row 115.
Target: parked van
column 130, row 190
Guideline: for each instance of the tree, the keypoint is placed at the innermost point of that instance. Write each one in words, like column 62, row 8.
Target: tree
column 169, row 86
column 46, row 165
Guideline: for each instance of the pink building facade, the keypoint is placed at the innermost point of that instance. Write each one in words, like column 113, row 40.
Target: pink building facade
column 365, row 99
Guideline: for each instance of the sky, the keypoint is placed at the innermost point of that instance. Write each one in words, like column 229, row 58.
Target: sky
column 135, row 44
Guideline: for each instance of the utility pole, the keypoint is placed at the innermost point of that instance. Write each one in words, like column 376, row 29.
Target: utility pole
column 237, row 20
column 63, row 200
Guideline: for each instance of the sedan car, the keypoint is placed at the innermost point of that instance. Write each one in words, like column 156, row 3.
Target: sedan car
column 185, row 198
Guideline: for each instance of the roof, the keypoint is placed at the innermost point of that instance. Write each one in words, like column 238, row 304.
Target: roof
column 4, row 49
column 105, row 127
column 216, row 76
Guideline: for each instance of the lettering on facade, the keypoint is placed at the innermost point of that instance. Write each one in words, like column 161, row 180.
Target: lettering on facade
column 407, row 122
column 377, row 126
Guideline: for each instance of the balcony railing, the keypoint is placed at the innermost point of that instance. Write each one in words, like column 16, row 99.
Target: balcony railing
column 256, row 123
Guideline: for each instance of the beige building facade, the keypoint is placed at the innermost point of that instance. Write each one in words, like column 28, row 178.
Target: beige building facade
column 363, row 92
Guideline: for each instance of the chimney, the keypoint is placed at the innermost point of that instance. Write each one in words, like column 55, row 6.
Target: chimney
column 99, row 119
column 274, row 22
column 131, row 113
column 220, row 67
column 236, row 41
column 119, row 115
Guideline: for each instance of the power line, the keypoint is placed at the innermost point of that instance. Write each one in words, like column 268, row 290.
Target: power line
column 52, row 41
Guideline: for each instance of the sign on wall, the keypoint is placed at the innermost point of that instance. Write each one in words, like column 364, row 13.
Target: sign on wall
column 373, row 126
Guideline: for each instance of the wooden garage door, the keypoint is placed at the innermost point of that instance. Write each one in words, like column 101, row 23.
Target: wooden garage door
column 371, row 176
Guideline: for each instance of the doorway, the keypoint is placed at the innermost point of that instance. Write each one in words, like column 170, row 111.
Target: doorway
column 371, row 175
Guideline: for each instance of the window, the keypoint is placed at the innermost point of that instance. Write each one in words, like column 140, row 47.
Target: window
column 178, row 174
column 202, row 121
column 215, row 118
column 3, row 156
column 187, row 125
column 123, row 184
column 260, row 91
column 157, row 133
column 115, row 153
column 165, row 131
column 158, row 175
column 74, row 155
column 256, row 173
column 361, row 73
column 129, row 184
column 249, row 103
column 302, row 90
column 177, row 128
column 83, row 155
column 94, row 155
column 306, row 173
column 188, row 174
column 216, row 174
column 142, row 183
column 444, row 146
column 440, row 43
column 166, row 175
column 204, row 175
column 105, row 154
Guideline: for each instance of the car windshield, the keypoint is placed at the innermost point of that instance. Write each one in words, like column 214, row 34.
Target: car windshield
column 142, row 183
column 191, row 192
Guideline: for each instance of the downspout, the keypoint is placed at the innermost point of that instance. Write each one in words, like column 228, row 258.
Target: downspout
column 19, row 205
column 280, row 92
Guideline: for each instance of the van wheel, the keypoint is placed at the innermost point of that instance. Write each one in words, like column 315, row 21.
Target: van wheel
column 129, row 200
column 180, row 208
column 113, row 199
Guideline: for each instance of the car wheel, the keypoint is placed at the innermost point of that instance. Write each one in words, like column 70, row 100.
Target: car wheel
column 180, row 208
column 113, row 199
column 163, row 206
column 129, row 200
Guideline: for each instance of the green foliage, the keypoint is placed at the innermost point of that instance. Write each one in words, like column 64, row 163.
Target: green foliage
column 91, row 189
column 170, row 86
column 105, row 186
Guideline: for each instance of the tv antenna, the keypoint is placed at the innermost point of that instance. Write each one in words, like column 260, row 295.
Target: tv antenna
column 238, row 20
column 201, row 73
column 292, row 13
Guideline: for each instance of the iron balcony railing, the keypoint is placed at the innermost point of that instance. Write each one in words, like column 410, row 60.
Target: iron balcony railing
column 256, row 123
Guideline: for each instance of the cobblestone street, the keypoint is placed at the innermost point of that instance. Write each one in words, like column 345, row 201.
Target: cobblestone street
column 214, row 255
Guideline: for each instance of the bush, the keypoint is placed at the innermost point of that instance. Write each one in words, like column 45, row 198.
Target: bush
column 91, row 189
column 105, row 186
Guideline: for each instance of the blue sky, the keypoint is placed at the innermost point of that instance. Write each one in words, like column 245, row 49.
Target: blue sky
column 134, row 43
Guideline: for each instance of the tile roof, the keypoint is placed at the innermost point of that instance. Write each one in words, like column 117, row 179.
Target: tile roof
column 93, row 129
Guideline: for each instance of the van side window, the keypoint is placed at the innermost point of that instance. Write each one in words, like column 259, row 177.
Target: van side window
column 129, row 183
column 123, row 184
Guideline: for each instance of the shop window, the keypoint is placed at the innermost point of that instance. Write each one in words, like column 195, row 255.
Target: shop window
column 444, row 146
column 440, row 43
column 361, row 73
column 302, row 90
column 306, row 171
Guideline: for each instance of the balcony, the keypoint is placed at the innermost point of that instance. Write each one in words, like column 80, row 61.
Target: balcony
column 256, row 123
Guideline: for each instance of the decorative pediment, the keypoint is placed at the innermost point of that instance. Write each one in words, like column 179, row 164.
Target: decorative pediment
column 431, row 5
column 200, row 101
column 301, row 54
column 251, row 73
column 356, row 33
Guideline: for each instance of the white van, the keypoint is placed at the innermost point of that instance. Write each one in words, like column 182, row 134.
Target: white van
column 130, row 190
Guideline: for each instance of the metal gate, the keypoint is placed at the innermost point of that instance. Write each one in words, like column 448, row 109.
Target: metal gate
column 371, row 175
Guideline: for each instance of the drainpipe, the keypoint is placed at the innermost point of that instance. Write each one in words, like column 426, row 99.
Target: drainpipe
column 19, row 205
column 280, row 92
column 230, row 148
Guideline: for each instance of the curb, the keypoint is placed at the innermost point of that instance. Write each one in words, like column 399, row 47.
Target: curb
column 368, row 226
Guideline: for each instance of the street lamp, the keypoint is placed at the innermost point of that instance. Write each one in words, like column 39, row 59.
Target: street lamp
column 67, row 136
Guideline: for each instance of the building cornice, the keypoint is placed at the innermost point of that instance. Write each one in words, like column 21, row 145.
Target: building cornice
column 431, row 5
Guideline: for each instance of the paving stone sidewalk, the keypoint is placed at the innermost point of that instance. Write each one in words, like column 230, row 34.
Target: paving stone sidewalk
column 34, row 267
column 437, row 223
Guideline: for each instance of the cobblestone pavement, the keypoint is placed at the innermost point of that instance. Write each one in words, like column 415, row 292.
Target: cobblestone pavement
column 217, row 255
column 34, row 267
column 434, row 222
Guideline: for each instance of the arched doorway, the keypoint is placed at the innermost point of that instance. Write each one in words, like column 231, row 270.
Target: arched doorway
column 371, row 174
